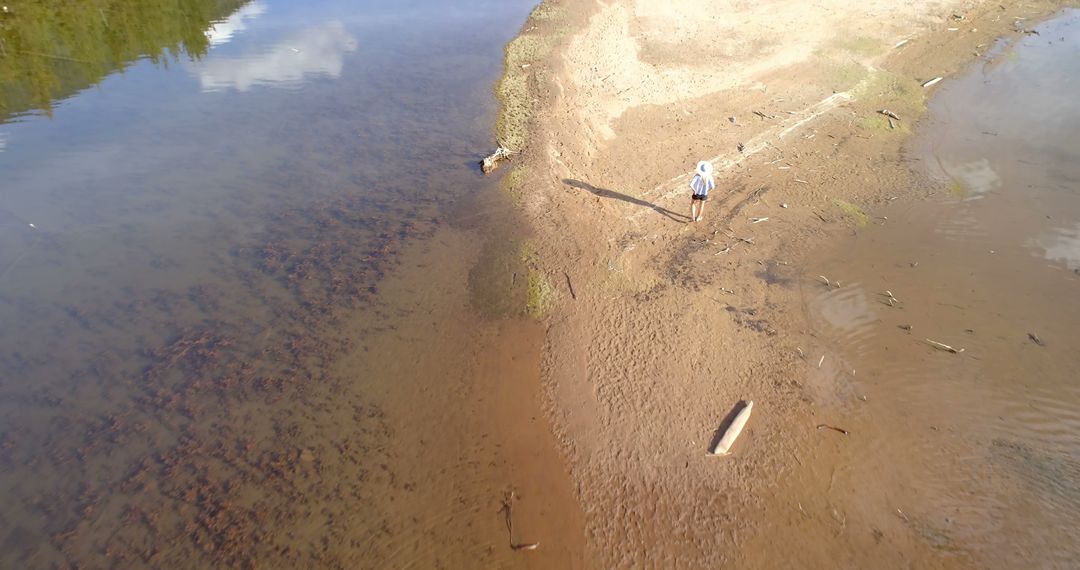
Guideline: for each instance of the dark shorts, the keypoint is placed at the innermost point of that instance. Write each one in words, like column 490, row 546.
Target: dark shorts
column 701, row 197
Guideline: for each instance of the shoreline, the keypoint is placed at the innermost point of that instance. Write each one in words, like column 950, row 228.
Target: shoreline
column 670, row 324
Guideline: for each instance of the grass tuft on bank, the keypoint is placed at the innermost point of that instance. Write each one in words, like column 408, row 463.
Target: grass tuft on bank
column 541, row 295
column 514, row 90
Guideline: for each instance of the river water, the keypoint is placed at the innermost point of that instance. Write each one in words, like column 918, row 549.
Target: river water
column 968, row 458
column 236, row 240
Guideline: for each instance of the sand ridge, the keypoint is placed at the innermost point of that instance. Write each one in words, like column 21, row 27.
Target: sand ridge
column 673, row 323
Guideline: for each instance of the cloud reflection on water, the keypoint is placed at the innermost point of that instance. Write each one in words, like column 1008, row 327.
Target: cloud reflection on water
column 1060, row 244
column 978, row 176
column 318, row 50
column 221, row 32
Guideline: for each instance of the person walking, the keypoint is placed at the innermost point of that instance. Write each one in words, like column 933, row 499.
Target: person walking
column 700, row 185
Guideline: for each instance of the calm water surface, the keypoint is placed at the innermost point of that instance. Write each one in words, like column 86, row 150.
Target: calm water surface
column 969, row 459
column 200, row 204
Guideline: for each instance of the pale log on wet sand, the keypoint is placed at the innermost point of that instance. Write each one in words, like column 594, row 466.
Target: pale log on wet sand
column 733, row 430
column 944, row 347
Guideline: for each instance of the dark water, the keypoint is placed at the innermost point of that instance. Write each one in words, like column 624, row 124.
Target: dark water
column 199, row 203
column 974, row 456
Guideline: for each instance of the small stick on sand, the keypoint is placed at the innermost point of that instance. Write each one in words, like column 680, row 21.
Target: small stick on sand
column 889, row 114
column 1035, row 339
column 932, row 81
column 508, row 505
column 570, row 285
column 834, row 428
column 945, row 347
column 758, row 220
column 826, row 280
column 820, row 361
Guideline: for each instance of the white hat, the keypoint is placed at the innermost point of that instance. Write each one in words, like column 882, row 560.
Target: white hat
column 704, row 168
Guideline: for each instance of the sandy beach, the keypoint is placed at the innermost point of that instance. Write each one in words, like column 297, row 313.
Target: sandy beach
column 657, row 327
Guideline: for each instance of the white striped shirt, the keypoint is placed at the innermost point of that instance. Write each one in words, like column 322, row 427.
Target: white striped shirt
column 701, row 186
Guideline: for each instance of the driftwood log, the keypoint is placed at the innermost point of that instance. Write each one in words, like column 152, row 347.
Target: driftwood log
column 492, row 162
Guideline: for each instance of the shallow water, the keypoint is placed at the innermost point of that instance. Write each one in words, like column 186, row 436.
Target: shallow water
column 968, row 459
column 231, row 240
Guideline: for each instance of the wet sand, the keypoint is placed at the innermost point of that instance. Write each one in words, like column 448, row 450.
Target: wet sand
column 979, row 448
column 671, row 323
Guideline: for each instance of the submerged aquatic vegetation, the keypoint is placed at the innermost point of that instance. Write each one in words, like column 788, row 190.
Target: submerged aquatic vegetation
column 902, row 94
column 541, row 295
column 842, row 76
column 514, row 182
column 864, row 46
column 860, row 217
column 197, row 463
column 959, row 188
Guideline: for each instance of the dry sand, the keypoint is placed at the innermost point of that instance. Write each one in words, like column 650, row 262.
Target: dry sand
column 672, row 323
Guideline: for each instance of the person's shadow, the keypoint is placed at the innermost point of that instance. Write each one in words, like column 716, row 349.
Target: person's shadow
column 604, row 193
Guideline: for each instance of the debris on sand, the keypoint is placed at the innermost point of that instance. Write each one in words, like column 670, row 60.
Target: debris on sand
column 507, row 510
column 834, row 428
column 732, row 433
column 944, row 347
column 492, row 162
column 1035, row 339
column 932, row 81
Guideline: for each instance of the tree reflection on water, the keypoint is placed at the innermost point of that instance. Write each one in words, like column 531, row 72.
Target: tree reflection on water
column 51, row 50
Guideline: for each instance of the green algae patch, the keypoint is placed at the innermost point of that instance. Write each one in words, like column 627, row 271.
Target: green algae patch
column 540, row 293
column 507, row 282
column 842, row 76
column 547, row 11
column 498, row 280
column 899, row 94
column 959, row 189
column 879, row 122
column 862, row 46
column 514, row 182
column 513, row 90
column 854, row 212
column 512, row 126
column 903, row 95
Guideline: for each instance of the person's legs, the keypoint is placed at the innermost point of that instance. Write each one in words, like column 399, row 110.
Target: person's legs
column 693, row 209
column 701, row 210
